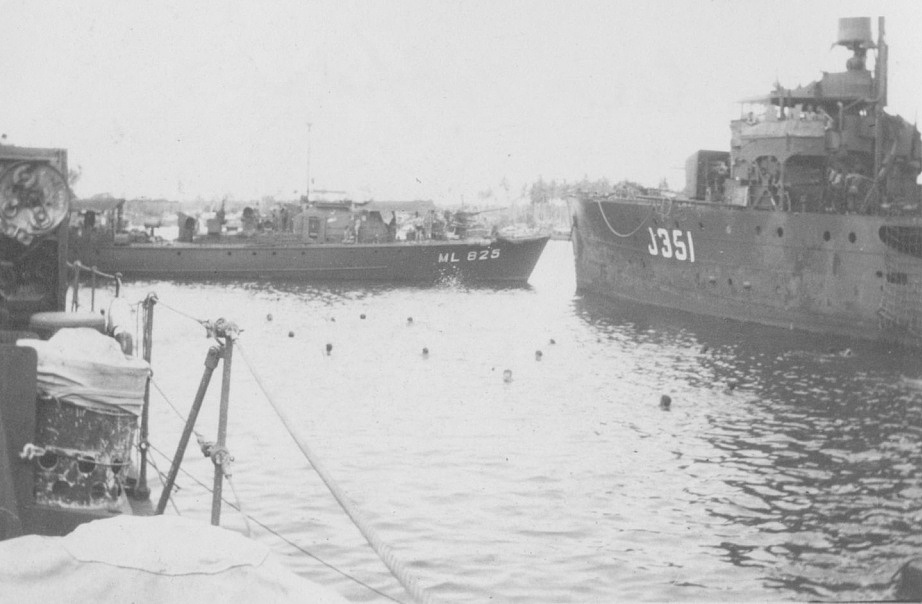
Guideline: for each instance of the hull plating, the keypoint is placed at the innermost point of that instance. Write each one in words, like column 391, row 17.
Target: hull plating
column 507, row 260
column 843, row 274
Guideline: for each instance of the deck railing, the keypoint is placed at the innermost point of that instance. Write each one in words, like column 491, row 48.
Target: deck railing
column 78, row 267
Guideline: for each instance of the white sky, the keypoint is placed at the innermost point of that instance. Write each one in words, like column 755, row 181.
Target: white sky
column 408, row 99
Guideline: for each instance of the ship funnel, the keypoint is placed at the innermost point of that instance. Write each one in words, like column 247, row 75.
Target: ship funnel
column 855, row 32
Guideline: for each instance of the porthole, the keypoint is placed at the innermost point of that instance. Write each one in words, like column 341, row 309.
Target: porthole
column 98, row 491
column 826, row 236
column 48, row 461
column 852, row 238
column 780, row 232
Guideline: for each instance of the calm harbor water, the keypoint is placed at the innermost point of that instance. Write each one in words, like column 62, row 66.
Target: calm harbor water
column 788, row 467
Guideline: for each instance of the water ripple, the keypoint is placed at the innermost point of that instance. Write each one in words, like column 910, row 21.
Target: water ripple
column 788, row 467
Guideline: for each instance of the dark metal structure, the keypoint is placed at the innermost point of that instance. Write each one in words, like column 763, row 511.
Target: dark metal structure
column 321, row 242
column 812, row 220
column 72, row 426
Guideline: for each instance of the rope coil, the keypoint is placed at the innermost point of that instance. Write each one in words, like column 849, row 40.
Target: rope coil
column 30, row 452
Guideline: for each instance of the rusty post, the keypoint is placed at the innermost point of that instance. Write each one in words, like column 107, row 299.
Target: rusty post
column 75, row 301
column 211, row 362
column 220, row 456
column 143, row 491
column 93, row 289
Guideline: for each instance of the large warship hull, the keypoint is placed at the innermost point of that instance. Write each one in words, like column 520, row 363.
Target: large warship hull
column 488, row 260
column 844, row 274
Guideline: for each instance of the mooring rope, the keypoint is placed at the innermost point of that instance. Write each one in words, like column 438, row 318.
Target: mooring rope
column 612, row 229
column 382, row 549
column 272, row 531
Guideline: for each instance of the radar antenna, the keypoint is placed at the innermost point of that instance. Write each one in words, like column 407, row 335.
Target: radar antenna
column 855, row 35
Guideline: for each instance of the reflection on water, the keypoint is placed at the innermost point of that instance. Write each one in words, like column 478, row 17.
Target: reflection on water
column 818, row 441
column 787, row 467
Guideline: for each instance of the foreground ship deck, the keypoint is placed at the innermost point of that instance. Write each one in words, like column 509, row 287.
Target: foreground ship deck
column 812, row 221
column 75, row 433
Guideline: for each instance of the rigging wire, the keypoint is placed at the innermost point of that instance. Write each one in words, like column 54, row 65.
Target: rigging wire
column 381, row 549
column 170, row 404
column 244, row 515
column 160, row 474
column 279, row 535
column 181, row 313
column 201, row 439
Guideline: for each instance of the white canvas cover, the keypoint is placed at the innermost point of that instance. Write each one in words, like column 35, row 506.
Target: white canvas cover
column 84, row 367
column 149, row 559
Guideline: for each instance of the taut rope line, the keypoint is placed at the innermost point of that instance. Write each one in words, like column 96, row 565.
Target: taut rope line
column 382, row 549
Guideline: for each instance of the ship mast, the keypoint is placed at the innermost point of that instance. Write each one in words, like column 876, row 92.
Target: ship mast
column 307, row 195
column 880, row 85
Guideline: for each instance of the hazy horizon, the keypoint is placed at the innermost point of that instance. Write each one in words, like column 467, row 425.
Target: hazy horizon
column 407, row 99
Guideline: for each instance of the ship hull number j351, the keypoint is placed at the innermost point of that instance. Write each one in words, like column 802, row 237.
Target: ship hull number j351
column 671, row 244
column 471, row 256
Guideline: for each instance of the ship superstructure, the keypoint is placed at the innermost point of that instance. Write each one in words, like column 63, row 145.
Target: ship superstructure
column 812, row 219
column 827, row 147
